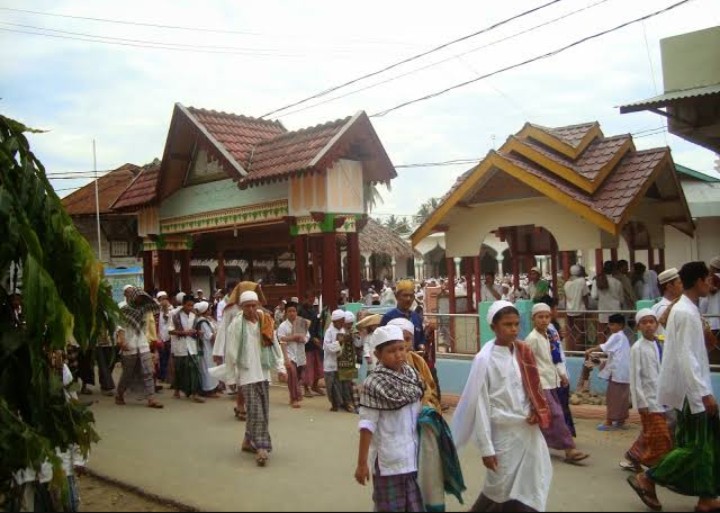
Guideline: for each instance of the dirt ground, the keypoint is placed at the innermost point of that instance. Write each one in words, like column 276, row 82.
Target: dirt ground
column 97, row 495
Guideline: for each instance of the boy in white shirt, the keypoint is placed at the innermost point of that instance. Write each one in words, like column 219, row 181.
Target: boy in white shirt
column 389, row 410
column 332, row 349
column 645, row 358
column 617, row 372
column 293, row 335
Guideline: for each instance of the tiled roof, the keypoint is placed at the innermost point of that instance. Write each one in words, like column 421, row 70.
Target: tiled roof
column 289, row 153
column 110, row 185
column 238, row 134
column 142, row 190
column 571, row 134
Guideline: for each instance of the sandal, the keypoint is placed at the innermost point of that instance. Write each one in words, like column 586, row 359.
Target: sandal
column 156, row 405
column 577, row 458
column 240, row 415
column 648, row 498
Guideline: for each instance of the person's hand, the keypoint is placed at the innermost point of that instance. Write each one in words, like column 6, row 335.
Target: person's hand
column 533, row 419
column 282, row 377
column 564, row 381
column 711, row 405
column 218, row 360
column 588, row 353
column 362, row 474
column 644, row 411
column 491, row 463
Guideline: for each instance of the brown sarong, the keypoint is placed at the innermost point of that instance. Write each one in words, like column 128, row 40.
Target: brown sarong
column 654, row 441
column 618, row 401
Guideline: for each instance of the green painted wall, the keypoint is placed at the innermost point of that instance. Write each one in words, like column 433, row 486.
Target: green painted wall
column 218, row 195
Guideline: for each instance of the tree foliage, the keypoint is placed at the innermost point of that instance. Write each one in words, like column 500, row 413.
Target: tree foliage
column 426, row 210
column 64, row 297
column 399, row 225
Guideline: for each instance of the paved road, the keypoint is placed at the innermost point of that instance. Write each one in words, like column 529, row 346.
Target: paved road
column 190, row 452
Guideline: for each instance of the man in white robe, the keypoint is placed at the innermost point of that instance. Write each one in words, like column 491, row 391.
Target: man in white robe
column 672, row 289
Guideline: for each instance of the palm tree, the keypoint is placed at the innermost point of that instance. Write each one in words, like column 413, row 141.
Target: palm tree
column 372, row 195
column 426, row 210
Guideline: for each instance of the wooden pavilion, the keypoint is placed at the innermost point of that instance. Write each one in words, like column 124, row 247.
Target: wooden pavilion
column 232, row 187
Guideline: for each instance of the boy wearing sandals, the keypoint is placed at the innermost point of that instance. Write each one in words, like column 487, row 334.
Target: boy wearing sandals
column 557, row 435
column 617, row 372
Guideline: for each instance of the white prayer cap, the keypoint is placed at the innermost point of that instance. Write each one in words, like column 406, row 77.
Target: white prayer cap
column 575, row 270
column 338, row 315
column 668, row 275
column 202, row 307
column 386, row 334
column 249, row 296
column 715, row 263
column 496, row 307
column 534, row 269
column 179, row 297
column 349, row 318
column 199, row 290
column 294, row 300
column 540, row 307
column 403, row 324
column 161, row 294
column 128, row 287
column 645, row 312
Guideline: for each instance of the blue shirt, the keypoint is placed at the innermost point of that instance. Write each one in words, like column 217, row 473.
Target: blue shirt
column 413, row 317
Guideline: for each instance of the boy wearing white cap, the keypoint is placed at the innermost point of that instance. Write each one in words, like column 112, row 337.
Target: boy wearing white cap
column 389, row 410
column 645, row 359
column 332, row 348
column 671, row 288
column 557, row 435
column 500, row 409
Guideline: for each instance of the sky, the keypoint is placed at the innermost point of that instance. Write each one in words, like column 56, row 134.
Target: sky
column 254, row 57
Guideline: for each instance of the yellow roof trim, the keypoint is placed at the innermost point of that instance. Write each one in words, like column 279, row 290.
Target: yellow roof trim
column 558, row 144
column 557, row 195
column 443, row 209
column 564, row 172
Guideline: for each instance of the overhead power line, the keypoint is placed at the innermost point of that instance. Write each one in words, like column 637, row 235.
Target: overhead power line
column 531, row 60
column 446, row 59
column 412, row 58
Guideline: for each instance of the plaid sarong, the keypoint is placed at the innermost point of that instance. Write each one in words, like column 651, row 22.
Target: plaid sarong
column 386, row 389
column 257, row 403
column 397, row 493
column 654, row 441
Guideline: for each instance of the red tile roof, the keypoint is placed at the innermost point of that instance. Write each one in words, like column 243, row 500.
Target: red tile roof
column 238, row 134
column 110, row 185
column 290, row 153
column 571, row 134
column 141, row 191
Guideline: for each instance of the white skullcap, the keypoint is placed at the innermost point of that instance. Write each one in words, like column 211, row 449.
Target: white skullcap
column 338, row 315
column 540, row 307
column 160, row 294
column 575, row 270
column 349, row 318
column 386, row 334
column 248, row 296
column 128, row 287
column 179, row 297
column 294, row 300
column 534, row 269
column 199, row 290
column 403, row 324
column 668, row 275
column 202, row 307
column 645, row 312
column 495, row 308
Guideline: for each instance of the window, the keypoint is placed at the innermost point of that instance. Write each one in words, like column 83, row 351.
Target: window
column 119, row 248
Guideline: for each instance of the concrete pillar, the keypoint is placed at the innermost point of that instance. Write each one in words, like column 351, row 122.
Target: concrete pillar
column 354, row 266
column 329, row 270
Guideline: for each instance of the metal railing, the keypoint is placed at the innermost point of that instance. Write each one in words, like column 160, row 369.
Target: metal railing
column 455, row 333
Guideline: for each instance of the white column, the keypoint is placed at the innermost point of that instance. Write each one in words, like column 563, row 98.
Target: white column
column 457, row 261
column 393, row 271
column 500, row 258
column 367, row 256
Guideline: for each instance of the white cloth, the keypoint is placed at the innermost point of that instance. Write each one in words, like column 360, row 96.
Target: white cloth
column 576, row 290
column 254, row 372
column 711, row 306
column 486, row 294
column 394, row 443
column 223, row 326
column 549, row 372
column 493, row 411
column 644, row 375
column 164, row 326
column 650, row 289
column 368, row 353
column 184, row 346
column 617, row 367
column 220, row 310
column 135, row 343
column 659, row 309
column 295, row 350
column 332, row 349
column 207, row 334
column 685, row 370
column 610, row 299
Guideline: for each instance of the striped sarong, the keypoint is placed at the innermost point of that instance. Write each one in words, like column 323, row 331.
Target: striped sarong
column 397, row 493
column 257, row 404
column 618, row 401
column 558, row 435
column 187, row 379
column 654, row 440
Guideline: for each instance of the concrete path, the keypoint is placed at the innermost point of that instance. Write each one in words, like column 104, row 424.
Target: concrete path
column 191, row 453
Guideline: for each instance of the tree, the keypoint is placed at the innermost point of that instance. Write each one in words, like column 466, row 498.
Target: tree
column 399, row 225
column 372, row 195
column 64, row 297
column 426, row 210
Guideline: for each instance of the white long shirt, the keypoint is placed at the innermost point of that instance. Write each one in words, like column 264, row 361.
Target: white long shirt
column 332, row 349
column 164, row 325
column 228, row 316
column 576, row 290
column 711, row 306
column 395, row 440
column 254, row 372
column 135, row 343
column 610, row 299
column 659, row 309
column 184, row 346
column 295, row 350
column 549, row 372
column 486, row 294
column 685, row 370
column 645, row 375
column 617, row 367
